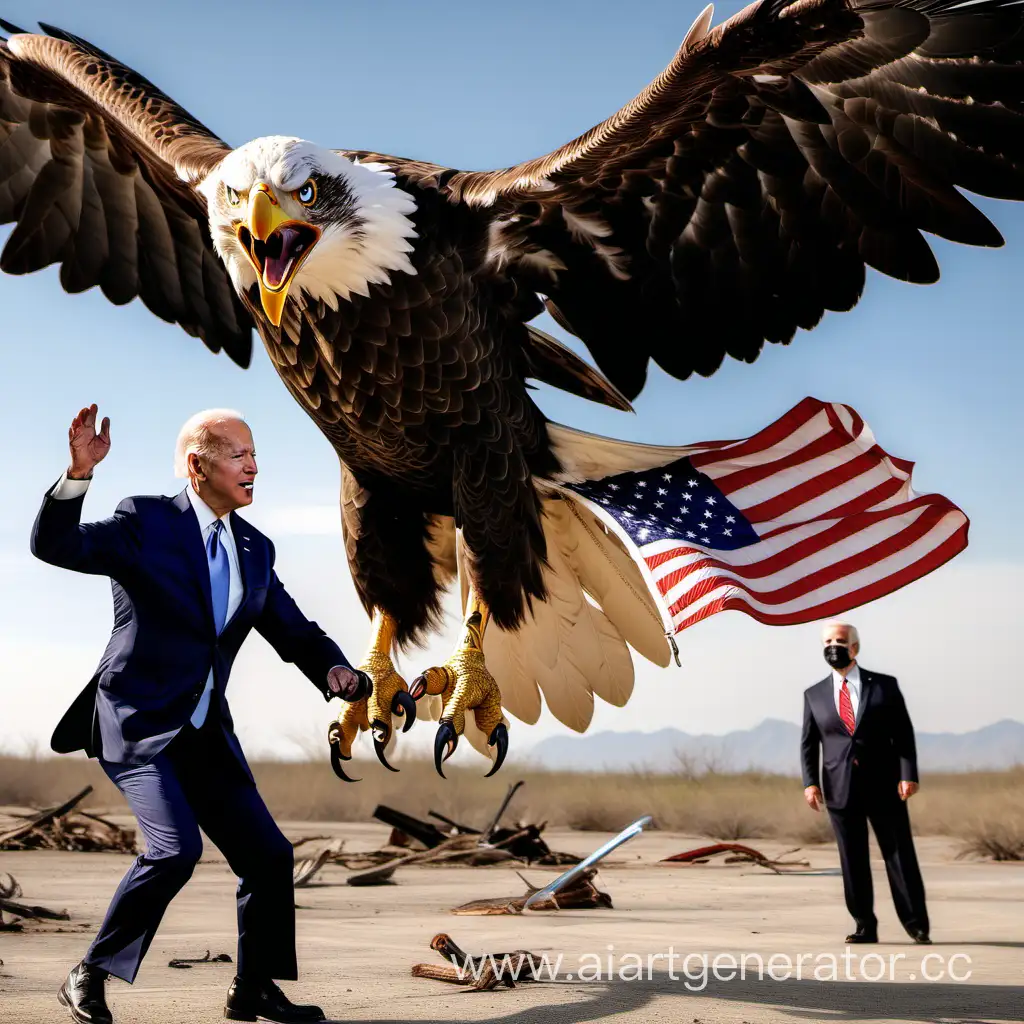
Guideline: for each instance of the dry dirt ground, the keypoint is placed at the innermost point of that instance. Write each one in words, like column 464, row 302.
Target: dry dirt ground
column 356, row 945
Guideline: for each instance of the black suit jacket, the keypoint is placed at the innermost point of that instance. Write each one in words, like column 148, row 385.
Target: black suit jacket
column 882, row 742
column 164, row 640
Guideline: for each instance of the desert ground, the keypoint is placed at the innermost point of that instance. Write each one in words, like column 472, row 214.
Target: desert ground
column 357, row 945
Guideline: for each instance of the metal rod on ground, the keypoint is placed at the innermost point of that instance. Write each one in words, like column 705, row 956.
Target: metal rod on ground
column 501, row 810
column 599, row 854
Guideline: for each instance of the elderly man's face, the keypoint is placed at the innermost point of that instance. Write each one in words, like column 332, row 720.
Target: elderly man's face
column 231, row 470
column 839, row 649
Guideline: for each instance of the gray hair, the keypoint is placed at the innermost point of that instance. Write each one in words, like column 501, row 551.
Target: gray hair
column 197, row 435
column 851, row 631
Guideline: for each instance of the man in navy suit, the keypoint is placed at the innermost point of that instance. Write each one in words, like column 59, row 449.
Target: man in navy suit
column 857, row 722
column 190, row 579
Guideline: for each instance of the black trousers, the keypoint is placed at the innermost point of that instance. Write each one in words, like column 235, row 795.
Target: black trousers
column 891, row 824
column 197, row 782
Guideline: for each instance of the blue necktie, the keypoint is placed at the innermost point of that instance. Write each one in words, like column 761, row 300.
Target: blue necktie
column 220, row 574
column 220, row 584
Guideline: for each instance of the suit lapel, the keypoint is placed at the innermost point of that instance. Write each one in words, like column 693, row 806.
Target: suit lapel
column 241, row 533
column 191, row 539
column 866, row 685
column 828, row 700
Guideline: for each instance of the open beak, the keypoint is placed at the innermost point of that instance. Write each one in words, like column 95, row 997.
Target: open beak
column 276, row 246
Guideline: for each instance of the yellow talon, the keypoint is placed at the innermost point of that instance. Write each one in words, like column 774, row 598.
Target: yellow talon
column 464, row 684
column 390, row 696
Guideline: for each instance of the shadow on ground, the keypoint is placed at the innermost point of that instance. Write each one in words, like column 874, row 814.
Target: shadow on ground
column 801, row 1000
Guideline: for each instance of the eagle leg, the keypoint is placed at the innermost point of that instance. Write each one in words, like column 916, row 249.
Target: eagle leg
column 390, row 696
column 464, row 684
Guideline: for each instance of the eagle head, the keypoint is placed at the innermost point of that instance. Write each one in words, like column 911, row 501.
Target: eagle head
column 290, row 216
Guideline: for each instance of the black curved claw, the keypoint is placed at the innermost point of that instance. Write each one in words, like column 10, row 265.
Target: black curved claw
column 334, row 739
column 499, row 739
column 378, row 747
column 418, row 689
column 445, row 743
column 402, row 703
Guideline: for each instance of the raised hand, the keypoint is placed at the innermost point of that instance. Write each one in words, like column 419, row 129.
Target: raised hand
column 88, row 448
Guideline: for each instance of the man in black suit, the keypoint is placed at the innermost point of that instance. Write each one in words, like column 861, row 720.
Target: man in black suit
column 191, row 579
column 859, row 722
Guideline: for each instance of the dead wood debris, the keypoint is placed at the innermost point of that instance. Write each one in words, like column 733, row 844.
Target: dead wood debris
column 737, row 854
column 64, row 828
column 479, row 973
column 414, row 841
column 185, row 963
column 9, row 893
column 580, row 894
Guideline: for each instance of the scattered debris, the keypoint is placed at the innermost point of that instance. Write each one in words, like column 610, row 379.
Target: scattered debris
column 523, row 841
column 9, row 892
column 480, row 973
column 184, row 963
column 414, row 841
column 580, row 894
column 64, row 828
column 739, row 854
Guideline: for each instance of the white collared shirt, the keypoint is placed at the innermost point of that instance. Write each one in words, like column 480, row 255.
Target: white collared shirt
column 853, row 682
column 67, row 489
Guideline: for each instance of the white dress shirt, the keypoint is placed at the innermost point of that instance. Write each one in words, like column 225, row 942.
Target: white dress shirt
column 67, row 489
column 853, row 681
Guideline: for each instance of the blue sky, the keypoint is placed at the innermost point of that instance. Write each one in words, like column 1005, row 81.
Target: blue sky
column 935, row 371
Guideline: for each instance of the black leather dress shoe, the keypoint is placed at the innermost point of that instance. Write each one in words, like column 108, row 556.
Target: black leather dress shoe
column 920, row 936
column 263, row 1000
column 84, row 994
column 862, row 937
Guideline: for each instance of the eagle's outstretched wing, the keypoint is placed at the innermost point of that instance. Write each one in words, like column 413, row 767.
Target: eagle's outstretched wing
column 96, row 169
column 745, row 190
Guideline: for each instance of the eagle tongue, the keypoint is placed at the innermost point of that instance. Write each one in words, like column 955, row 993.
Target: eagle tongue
column 280, row 255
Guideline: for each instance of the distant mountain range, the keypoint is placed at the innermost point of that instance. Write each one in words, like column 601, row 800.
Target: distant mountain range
column 773, row 746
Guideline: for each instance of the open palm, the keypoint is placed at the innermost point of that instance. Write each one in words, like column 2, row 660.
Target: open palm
column 88, row 447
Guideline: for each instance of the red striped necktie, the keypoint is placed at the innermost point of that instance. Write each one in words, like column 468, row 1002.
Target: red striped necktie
column 846, row 708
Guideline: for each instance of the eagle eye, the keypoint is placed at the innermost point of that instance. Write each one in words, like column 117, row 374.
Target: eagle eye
column 233, row 197
column 306, row 194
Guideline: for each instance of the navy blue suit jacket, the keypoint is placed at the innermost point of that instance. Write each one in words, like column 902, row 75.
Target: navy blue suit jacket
column 164, row 640
column 882, row 742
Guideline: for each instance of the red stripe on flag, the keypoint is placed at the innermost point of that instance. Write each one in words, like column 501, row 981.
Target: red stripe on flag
column 854, row 562
column 800, row 414
column 830, row 442
column 796, row 552
column 808, row 490
column 929, row 562
column 862, row 503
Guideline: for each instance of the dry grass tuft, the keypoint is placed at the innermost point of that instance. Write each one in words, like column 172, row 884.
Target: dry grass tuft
column 985, row 809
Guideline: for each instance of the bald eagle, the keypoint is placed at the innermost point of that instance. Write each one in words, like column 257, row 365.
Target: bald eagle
column 736, row 199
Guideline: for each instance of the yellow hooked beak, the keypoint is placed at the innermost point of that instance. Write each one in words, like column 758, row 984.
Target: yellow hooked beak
column 276, row 245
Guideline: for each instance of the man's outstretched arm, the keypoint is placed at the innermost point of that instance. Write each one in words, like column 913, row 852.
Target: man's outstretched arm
column 58, row 536
column 301, row 641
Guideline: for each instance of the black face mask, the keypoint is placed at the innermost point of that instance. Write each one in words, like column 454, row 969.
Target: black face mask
column 838, row 656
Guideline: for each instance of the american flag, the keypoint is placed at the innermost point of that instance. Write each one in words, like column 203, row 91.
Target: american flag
column 806, row 519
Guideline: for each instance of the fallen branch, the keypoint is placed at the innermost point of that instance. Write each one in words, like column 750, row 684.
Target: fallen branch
column 740, row 854
column 580, row 894
column 8, row 891
column 184, row 963
column 479, row 973
column 64, row 828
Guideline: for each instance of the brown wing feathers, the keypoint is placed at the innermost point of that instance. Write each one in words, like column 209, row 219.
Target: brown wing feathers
column 748, row 188
column 89, row 154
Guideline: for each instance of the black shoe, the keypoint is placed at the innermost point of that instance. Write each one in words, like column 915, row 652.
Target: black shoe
column 252, row 1000
column 83, row 993
column 920, row 936
column 862, row 937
